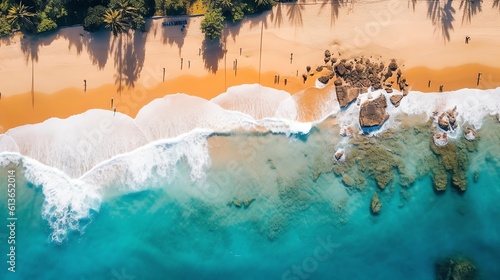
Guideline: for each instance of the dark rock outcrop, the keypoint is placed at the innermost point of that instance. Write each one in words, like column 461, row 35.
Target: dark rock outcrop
column 324, row 79
column 395, row 99
column 372, row 112
column 393, row 66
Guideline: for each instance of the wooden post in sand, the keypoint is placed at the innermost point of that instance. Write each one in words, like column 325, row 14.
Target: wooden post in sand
column 260, row 53
column 32, row 83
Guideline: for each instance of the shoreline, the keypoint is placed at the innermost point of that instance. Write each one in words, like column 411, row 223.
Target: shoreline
column 71, row 101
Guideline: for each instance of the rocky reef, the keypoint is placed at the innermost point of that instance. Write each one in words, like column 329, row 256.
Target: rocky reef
column 456, row 268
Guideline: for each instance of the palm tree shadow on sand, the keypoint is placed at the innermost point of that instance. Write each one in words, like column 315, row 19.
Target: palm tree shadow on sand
column 470, row 9
column 335, row 6
column 30, row 47
column 213, row 52
column 294, row 14
column 442, row 17
column 129, row 55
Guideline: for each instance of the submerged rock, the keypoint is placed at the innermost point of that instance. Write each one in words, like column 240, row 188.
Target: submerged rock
column 346, row 131
column 456, row 268
column 373, row 113
column 375, row 205
column 348, row 180
column 395, row 99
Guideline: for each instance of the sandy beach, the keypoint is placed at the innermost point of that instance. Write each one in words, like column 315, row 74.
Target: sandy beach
column 131, row 67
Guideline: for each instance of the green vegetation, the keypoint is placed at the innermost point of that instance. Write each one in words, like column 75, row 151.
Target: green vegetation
column 36, row 16
column 212, row 25
column 220, row 10
column 95, row 18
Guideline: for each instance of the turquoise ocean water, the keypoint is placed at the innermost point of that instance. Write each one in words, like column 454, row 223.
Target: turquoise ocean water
column 302, row 220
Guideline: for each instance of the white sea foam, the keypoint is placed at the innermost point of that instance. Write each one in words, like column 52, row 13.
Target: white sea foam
column 472, row 104
column 76, row 144
column 176, row 114
column 7, row 144
column 140, row 169
column 255, row 100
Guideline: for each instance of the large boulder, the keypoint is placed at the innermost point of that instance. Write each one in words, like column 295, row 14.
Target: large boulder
column 372, row 112
column 346, row 95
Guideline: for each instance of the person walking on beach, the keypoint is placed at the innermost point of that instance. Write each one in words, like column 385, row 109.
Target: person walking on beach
column 84, row 85
column 285, row 81
column 291, row 58
column 189, row 64
column 441, row 88
column 275, row 78
column 478, row 78
column 114, row 111
column 467, row 39
column 111, row 102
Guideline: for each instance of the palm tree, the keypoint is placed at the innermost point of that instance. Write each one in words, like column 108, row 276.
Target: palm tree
column 263, row 2
column 20, row 17
column 130, row 14
column 114, row 21
column 225, row 5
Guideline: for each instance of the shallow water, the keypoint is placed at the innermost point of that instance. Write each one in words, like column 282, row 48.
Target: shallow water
column 302, row 221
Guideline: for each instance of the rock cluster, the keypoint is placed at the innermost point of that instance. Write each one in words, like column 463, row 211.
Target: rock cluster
column 355, row 76
column 448, row 120
column 456, row 268
column 375, row 205
column 372, row 112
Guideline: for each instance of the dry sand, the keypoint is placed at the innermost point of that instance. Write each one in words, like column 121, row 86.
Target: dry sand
column 387, row 28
